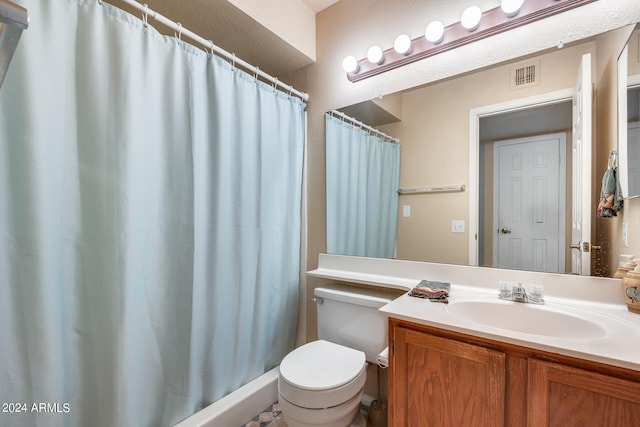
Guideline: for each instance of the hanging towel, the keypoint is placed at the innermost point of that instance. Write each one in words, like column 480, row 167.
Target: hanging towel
column 434, row 291
column 611, row 200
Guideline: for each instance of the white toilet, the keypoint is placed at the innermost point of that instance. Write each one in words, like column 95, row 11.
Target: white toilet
column 321, row 383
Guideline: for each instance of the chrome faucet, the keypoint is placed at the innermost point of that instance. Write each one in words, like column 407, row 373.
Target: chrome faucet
column 519, row 293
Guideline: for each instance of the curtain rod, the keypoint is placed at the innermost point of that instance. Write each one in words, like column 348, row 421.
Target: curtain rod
column 358, row 123
column 180, row 30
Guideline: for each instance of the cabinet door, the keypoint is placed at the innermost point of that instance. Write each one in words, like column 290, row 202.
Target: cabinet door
column 445, row 383
column 564, row 396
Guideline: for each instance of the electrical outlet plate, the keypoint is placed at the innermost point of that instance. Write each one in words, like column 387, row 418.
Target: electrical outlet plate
column 457, row 226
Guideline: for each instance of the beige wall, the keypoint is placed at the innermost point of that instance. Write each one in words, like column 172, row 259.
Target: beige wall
column 297, row 26
column 350, row 26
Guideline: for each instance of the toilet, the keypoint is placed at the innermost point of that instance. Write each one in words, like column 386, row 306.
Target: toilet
column 321, row 383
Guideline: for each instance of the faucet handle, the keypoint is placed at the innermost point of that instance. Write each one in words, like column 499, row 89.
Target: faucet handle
column 536, row 291
column 505, row 289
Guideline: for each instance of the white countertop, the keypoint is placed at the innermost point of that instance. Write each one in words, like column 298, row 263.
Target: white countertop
column 617, row 344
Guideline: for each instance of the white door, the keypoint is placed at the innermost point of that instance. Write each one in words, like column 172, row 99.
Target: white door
column 530, row 203
column 581, row 180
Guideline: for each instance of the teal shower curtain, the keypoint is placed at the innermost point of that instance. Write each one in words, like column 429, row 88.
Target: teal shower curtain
column 362, row 178
column 149, row 223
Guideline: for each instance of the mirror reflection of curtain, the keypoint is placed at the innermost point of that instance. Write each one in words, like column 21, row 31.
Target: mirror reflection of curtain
column 149, row 222
column 362, row 178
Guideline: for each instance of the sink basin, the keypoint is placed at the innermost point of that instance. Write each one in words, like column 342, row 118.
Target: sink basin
column 528, row 318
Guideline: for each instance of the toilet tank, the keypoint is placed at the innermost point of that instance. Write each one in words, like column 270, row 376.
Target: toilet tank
column 349, row 316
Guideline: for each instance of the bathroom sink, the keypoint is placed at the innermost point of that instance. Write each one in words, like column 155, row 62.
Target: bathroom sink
column 528, row 318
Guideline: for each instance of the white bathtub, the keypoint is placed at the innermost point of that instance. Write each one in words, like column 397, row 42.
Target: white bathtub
column 240, row 406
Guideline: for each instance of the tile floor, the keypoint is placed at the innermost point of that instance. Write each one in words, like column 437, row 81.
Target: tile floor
column 270, row 417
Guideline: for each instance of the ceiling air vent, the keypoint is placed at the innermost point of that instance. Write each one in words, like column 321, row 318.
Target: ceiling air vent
column 525, row 75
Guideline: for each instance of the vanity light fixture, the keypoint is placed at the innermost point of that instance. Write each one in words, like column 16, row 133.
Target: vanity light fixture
column 434, row 32
column 375, row 55
column 402, row 44
column 471, row 17
column 350, row 64
column 510, row 14
column 511, row 7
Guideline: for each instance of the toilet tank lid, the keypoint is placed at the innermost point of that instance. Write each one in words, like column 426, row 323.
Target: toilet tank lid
column 361, row 296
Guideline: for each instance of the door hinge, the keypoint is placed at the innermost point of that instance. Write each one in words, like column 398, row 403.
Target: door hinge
column 393, row 351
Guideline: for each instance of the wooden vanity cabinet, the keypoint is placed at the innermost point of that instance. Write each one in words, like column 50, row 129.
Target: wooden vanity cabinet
column 562, row 396
column 441, row 378
column 442, row 382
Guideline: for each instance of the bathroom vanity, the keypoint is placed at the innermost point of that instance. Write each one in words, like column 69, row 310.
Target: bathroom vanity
column 443, row 378
column 482, row 361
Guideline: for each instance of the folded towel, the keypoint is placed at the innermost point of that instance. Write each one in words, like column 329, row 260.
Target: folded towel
column 432, row 290
column 383, row 358
column 611, row 199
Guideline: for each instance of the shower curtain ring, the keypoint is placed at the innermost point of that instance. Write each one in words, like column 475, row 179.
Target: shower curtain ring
column 233, row 61
column 255, row 75
column 145, row 16
column 178, row 34
column 275, row 83
column 210, row 47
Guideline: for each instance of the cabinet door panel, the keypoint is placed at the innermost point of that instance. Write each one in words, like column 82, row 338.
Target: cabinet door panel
column 442, row 382
column 564, row 396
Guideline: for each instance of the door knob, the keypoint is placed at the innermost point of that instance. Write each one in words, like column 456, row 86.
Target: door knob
column 504, row 231
column 585, row 246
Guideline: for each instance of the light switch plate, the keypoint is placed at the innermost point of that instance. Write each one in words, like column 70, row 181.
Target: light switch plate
column 406, row 211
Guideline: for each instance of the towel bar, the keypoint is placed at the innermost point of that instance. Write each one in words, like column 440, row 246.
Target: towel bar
column 438, row 189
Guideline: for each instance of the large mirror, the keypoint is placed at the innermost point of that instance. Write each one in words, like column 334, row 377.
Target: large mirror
column 629, row 116
column 464, row 137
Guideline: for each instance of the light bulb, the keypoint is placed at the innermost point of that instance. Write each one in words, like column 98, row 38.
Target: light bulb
column 470, row 18
column 350, row 64
column 434, row 32
column 511, row 7
column 374, row 55
column 402, row 44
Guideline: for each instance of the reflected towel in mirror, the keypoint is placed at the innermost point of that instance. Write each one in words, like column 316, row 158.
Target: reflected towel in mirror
column 611, row 200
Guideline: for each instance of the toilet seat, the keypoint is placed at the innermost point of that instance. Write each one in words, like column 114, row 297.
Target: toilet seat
column 321, row 374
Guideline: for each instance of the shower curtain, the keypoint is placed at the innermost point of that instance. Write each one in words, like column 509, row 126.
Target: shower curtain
column 149, row 223
column 362, row 177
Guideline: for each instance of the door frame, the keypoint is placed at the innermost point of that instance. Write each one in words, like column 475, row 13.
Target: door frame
column 562, row 190
column 475, row 114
